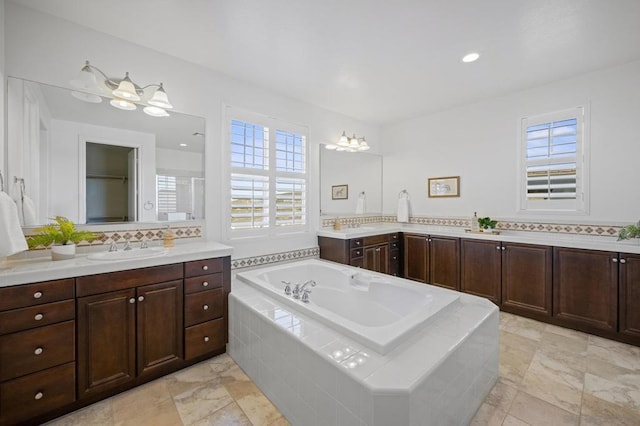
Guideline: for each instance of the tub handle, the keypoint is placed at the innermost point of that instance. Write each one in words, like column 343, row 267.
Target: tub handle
column 287, row 287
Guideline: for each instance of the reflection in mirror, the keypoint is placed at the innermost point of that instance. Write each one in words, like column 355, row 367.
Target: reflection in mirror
column 361, row 172
column 93, row 163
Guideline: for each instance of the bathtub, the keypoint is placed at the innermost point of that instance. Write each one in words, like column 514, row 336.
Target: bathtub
column 373, row 309
column 333, row 363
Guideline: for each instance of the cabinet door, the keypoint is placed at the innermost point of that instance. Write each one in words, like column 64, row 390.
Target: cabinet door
column 630, row 295
column 480, row 268
column 376, row 258
column 585, row 288
column 415, row 257
column 444, row 262
column 526, row 279
column 106, row 341
column 159, row 326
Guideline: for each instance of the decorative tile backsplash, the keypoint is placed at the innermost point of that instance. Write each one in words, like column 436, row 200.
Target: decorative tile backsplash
column 274, row 258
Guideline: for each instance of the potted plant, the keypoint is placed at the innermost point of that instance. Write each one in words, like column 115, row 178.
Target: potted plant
column 487, row 224
column 629, row 232
column 61, row 237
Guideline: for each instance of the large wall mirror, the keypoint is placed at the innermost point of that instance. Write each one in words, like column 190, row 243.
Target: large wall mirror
column 350, row 183
column 94, row 163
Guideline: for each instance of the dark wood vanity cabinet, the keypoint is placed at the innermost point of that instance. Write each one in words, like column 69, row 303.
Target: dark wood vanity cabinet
column 585, row 289
column 629, row 282
column 380, row 253
column 136, row 330
column 431, row 259
column 480, row 267
column 37, row 349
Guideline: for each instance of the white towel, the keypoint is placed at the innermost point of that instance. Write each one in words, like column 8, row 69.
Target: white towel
column 12, row 239
column 361, row 207
column 403, row 207
column 28, row 211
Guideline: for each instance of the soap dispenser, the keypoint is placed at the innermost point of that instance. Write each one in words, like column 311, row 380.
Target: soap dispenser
column 168, row 238
column 337, row 225
column 475, row 226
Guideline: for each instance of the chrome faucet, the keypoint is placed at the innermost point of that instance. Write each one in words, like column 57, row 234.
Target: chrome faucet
column 312, row 282
column 287, row 287
column 300, row 290
column 127, row 246
column 113, row 246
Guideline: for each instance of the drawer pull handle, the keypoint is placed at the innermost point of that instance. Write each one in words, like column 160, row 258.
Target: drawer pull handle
column 205, row 284
column 205, row 268
column 357, row 243
column 132, row 300
column 38, row 317
column 623, row 261
column 206, row 338
column 614, row 260
column 39, row 395
column 38, row 351
column 205, row 307
column 141, row 298
column 37, row 295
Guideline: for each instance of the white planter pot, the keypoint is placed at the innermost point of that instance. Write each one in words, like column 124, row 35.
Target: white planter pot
column 64, row 252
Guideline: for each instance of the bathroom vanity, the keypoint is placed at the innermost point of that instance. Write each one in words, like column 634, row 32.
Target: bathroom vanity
column 69, row 342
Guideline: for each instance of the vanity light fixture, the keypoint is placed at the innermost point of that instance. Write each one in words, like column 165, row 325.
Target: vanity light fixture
column 470, row 57
column 124, row 92
column 349, row 144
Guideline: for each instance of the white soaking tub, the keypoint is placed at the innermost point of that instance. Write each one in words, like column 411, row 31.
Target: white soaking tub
column 368, row 349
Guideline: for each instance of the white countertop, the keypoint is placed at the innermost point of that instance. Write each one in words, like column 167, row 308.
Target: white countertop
column 13, row 272
column 591, row 242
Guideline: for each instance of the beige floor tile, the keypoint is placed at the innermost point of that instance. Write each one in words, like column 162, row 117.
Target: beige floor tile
column 613, row 372
column 524, row 327
column 551, row 369
column 576, row 360
column 259, row 409
column 191, row 378
column 596, row 412
column 513, row 421
column 620, row 354
column 614, row 392
column 196, row 404
column 96, row 414
column 149, row 394
column 553, row 392
column 502, row 395
column 553, row 341
column 519, row 342
column 280, row 421
column 488, row 415
column 566, row 332
column 537, row 412
column 229, row 415
column 163, row 414
column 240, row 388
column 514, row 364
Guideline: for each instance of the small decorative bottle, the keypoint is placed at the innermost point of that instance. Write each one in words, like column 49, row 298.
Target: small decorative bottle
column 475, row 227
column 337, row 225
column 167, row 238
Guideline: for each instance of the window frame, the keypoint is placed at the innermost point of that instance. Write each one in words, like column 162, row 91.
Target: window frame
column 272, row 174
column 577, row 206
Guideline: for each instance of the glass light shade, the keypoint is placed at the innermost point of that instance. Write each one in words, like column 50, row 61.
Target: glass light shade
column 155, row 111
column 87, row 97
column 123, row 104
column 344, row 140
column 160, row 98
column 126, row 90
column 331, row 146
column 353, row 143
column 364, row 146
column 86, row 79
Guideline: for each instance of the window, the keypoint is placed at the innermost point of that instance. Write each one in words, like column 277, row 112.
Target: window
column 553, row 169
column 179, row 197
column 268, row 178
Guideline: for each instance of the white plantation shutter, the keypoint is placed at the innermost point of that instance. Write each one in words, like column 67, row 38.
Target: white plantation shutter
column 268, row 180
column 167, row 194
column 553, row 162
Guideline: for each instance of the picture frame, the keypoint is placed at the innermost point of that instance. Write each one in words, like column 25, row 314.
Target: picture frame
column 441, row 187
column 339, row 192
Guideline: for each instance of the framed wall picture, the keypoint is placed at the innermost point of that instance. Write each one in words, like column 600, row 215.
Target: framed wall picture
column 444, row 187
column 339, row 192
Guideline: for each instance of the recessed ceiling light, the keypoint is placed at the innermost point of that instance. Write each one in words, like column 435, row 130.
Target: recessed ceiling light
column 471, row 57
column 183, row 144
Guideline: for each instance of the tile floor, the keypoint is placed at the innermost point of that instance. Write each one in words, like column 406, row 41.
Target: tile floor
column 548, row 376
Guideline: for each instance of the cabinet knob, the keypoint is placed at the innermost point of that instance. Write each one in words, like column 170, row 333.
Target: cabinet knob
column 141, row 298
column 614, row 260
column 503, row 248
column 205, row 307
column 623, row 260
column 205, row 284
column 497, row 247
column 37, row 295
column 38, row 351
column 38, row 395
column 357, row 243
column 395, row 257
column 205, row 268
column 38, row 317
column 206, row 338
column 132, row 300
column 429, row 239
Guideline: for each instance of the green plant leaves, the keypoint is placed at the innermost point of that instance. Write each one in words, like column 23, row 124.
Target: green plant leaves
column 63, row 232
column 629, row 232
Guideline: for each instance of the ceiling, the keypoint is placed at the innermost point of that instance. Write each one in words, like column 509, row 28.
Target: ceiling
column 376, row 60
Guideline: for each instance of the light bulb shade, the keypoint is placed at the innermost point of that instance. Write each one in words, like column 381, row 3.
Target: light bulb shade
column 364, row 146
column 87, row 97
column 344, row 140
column 331, row 146
column 353, row 143
column 126, row 90
column 155, row 111
column 160, row 98
column 86, row 79
column 123, row 104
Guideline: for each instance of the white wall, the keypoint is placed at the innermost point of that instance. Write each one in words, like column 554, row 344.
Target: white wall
column 3, row 165
column 46, row 49
column 172, row 159
column 479, row 142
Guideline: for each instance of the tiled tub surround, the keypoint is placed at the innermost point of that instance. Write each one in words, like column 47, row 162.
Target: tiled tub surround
column 316, row 375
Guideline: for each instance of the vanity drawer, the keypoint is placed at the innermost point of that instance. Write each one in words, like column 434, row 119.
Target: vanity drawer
column 203, row 267
column 30, row 396
column 357, row 242
column 376, row 239
column 33, row 350
column 357, row 252
column 394, row 245
column 202, row 283
column 36, row 316
column 203, row 338
column 120, row 280
column 21, row 296
column 203, row 306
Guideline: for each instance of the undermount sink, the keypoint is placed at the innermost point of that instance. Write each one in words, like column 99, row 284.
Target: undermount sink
column 128, row 254
column 357, row 229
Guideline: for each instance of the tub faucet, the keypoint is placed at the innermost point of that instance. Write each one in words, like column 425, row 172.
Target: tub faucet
column 113, row 246
column 299, row 290
column 305, row 296
column 312, row 282
column 287, row 287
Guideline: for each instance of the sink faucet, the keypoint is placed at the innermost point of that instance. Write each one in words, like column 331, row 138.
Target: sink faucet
column 113, row 246
column 127, row 246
